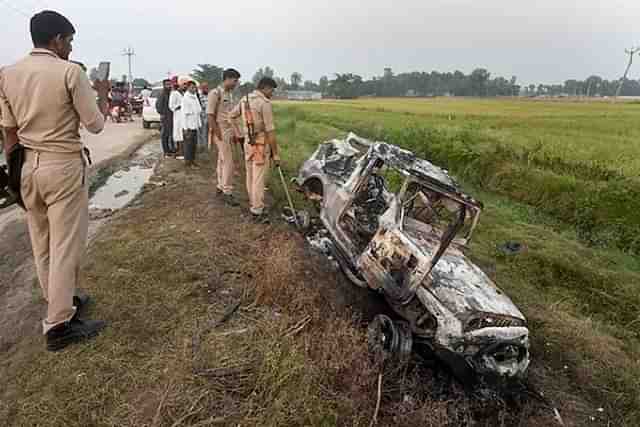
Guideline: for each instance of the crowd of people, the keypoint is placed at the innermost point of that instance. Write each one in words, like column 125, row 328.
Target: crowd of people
column 192, row 116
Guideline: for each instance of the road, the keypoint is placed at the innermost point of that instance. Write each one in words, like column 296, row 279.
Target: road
column 21, row 306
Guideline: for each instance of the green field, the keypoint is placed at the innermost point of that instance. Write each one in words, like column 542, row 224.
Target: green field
column 581, row 132
column 576, row 162
column 558, row 177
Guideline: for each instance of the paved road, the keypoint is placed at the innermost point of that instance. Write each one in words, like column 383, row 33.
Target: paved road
column 20, row 303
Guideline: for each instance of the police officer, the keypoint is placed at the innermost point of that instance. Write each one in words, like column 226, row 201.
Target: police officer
column 220, row 106
column 44, row 98
column 259, row 155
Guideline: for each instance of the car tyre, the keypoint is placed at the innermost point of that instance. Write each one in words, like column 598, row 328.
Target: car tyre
column 389, row 340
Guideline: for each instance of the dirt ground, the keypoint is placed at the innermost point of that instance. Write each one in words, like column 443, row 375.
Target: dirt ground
column 214, row 320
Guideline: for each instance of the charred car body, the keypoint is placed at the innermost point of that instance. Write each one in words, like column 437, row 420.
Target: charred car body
column 398, row 224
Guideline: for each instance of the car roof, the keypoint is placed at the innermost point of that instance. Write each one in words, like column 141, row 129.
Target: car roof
column 419, row 169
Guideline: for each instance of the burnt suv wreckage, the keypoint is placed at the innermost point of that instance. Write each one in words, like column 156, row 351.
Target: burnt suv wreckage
column 398, row 224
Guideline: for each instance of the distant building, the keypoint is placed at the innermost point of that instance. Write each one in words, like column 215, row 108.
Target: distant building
column 303, row 95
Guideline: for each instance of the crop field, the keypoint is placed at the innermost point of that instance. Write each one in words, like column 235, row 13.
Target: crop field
column 559, row 177
column 579, row 132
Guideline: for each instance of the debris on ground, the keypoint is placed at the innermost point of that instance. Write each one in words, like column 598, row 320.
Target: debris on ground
column 99, row 213
column 511, row 248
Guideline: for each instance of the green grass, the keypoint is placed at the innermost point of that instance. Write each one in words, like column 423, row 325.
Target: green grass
column 577, row 162
column 582, row 300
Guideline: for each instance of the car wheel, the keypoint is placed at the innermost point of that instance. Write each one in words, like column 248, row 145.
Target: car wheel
column 389, row 340
column 146, row 124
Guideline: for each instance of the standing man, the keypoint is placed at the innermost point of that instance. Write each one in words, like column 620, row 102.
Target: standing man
column 44, row 98
column 191, row 111
column 203, row 132
column 258, row 110
column 145, row 93
column 175, row 105
column 166, row 118
column 221, row 104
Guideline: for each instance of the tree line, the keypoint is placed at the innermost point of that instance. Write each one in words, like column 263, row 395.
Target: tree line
column 479, row 82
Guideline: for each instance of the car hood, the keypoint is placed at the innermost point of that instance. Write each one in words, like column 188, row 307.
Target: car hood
column 464, row 289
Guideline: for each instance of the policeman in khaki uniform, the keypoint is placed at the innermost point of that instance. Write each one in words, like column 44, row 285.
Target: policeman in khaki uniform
column 259, row 155
column 220, row 106
column 44, row 98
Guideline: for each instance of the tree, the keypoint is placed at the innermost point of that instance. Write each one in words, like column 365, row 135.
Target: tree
column 263, row 72
column 323, row 84
column 140, row 82
column 345, row 85
column 593, row 85
column 309, row 85
column 479, row 78
column 246, row 88
column 211, row 74
column 296, row 79
column 282, row 83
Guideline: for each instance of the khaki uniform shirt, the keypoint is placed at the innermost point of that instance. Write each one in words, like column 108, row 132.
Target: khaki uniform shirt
column 261, row 110
column 47, row 98
column 221, row 102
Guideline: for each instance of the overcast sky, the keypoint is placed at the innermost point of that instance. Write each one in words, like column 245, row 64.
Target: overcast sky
column 536, row 40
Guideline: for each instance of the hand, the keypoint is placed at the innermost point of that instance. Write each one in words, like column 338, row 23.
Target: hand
column 103, row 88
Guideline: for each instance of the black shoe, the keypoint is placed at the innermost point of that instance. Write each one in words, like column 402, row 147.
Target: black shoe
column 73, row 331
column 230, row 201
column 81, row 301
column 260, row 219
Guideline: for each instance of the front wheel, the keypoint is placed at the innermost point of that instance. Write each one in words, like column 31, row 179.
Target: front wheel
column 389, row 340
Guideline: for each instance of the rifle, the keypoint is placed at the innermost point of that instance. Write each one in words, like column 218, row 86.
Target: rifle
column 248, row 119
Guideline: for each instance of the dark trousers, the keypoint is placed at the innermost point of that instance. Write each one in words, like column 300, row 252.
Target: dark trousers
column 168, row 146
column 190, row 144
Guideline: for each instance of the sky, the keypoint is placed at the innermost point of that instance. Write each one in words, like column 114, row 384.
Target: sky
column 540, row 41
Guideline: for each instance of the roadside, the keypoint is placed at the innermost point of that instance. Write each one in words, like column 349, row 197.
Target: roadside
column 215, row 320
column 21, row 306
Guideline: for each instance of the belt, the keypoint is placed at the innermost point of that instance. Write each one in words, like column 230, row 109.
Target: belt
column 49, row 155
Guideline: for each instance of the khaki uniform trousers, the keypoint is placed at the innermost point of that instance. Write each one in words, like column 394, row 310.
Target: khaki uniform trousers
column 224, row 170
column 55, row 193
column 256, row 179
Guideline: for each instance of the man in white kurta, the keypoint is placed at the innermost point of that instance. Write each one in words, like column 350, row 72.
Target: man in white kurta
column 175, row 105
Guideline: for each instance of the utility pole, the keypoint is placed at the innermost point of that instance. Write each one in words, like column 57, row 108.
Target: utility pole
column 629, row 52
column 128, row 52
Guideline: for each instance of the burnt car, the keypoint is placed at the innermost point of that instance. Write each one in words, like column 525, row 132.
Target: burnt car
column 399, row 225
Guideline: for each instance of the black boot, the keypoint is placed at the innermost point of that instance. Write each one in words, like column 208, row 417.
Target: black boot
column 81, row 301
column 73, row 331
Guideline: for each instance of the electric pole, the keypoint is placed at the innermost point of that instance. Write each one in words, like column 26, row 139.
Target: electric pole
column 128, row 52
column 629, row 52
